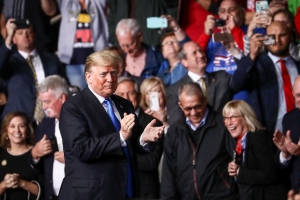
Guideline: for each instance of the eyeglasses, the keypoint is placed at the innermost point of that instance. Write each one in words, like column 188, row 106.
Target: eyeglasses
column 196, row 108
column 128, row 45
column 231, row 118
column 169, row 42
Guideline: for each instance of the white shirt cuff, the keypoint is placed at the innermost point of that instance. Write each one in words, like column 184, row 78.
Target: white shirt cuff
column 123, row 142
column 283, row 160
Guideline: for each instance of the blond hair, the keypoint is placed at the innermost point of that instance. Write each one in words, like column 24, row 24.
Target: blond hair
column 147, row 85
column 242, row 108
column 102, row 58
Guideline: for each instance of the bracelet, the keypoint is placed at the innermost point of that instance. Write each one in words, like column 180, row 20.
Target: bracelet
column 176, row 28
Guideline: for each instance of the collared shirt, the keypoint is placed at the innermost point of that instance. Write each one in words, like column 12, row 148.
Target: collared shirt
column 37, row 63
column 137, row 111
column 202, row 123
column 195, row 77
column 243, row 143
column 101, row 100
column 58, row 172
column 136, row 65
column 293, row 72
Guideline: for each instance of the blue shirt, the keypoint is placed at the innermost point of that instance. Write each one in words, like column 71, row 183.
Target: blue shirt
column 168, row 77
column 202, row 123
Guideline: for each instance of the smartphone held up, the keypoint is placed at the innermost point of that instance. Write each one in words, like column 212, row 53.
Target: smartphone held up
column 157, row 22
column 153, row 101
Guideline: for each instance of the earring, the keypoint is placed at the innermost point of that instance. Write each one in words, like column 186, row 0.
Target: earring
column 6, row 138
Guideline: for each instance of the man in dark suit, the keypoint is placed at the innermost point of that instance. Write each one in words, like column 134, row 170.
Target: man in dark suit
column 266, row 77
column 197, row 150
column 53, row 92
column 101, row 136
column 289, row 144
column 16, row 67
column 216, row 84
column 147, row 164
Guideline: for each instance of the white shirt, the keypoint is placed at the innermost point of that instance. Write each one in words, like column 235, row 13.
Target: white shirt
column 293, row 72
column 58, row 172
column 195, row 77
column 101, row 100
column 37, row 63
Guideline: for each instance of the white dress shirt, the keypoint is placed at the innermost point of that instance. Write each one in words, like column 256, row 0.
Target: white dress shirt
column 37, row 63
column 293, row 72
column 58, row 172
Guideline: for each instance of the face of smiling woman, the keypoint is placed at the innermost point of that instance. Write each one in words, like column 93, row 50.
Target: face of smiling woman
column 236, row 124
column 16, row 131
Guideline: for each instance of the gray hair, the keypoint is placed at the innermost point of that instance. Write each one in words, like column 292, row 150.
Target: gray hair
column 128, row 25
column 182, row 53
column 124, row 79
column 55, row 83
column 191, row 89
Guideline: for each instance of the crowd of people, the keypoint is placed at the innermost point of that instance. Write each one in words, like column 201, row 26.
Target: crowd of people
column 98, row 106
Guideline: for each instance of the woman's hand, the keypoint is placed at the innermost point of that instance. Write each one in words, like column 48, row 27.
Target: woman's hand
column 233, row 169
column 161, row 115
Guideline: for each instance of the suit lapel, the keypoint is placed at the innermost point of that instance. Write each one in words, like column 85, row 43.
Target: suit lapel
column 211, row 86
column 98, row 108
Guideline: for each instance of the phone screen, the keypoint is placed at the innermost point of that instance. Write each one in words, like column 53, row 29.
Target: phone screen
column 154, row 101
column 53, row 141
column 261, row 6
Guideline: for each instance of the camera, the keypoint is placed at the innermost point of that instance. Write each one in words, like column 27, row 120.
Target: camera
column 269, row 39
column 220, row 22
column 21, row 23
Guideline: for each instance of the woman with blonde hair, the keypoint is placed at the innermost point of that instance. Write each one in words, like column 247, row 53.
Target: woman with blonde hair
column 18, row 178
column 253, row 164
column 153, row 99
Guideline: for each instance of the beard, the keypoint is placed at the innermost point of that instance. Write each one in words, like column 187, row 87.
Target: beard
column 280, row 52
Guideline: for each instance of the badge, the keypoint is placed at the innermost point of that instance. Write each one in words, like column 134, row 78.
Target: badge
column 4, row 162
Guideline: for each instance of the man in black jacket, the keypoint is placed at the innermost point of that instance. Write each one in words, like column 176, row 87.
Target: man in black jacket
column 196, row 152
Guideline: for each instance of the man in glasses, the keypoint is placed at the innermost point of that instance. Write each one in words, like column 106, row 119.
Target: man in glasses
column 197, row 151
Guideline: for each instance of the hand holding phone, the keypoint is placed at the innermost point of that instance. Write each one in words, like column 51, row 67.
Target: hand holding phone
column 222, row 37
column 153, row 101
column 157, row 22
column 53, row 142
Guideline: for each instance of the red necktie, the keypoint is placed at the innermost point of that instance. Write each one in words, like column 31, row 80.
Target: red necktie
column 287, row 87
column 239, row 148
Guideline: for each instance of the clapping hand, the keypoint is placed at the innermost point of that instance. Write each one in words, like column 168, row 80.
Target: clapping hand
column 127, row 124
column 151, row 133
column 11, row 181
column 292, row 148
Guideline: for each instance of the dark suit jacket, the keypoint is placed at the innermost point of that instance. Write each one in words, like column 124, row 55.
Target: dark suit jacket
column 47, row 126
column 96, row 166
column 292, row 171
column 258, row 169
column 148, row 164
column 21, row 86
column 260, row 80
column 218, row 88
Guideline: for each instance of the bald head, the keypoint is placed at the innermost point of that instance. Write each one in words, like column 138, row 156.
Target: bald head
column 277, row 25
column 283, row 38
column 296, row 91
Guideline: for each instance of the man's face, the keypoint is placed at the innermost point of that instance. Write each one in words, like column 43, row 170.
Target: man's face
column 193, row 107
column 103, row 80
column 52, row 103
column 296, row 91
column 24, row 39
column 282, row 37
column 126, row 90
column 195, row 58
column 231, row 8
column 130, row 44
